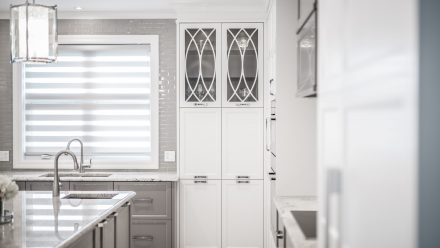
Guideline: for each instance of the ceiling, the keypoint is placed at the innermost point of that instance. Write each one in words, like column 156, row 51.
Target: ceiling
column 126, row 8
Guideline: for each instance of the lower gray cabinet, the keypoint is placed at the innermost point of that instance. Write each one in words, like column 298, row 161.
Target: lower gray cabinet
column 21, row 185
column 151, row 233
column 287, row 240
column 122, row 225
column 86, row 241
column 91, row 186
column 45, row 186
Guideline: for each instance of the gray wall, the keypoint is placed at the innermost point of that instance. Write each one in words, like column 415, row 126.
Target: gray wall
column 429, row 170
column 166, row 29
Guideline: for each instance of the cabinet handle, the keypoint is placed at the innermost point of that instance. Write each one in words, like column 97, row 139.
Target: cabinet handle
column 126, row 204
column 242, row 177
column 280, row 235
column 147, row 199
column 243, row 181
column 147, row 238
column 242, row 104
column 200, row 104
column 200, row 177
column 102, row 224
column 200, row 181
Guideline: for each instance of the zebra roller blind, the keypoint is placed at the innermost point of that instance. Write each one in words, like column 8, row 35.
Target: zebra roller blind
column 99, row 93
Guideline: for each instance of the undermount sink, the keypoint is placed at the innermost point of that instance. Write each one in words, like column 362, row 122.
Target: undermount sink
column 307, row 222
column 78, row 175
column 89, row 196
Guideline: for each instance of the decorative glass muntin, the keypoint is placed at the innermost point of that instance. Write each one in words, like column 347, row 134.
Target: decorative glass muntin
column 33, row 33
column 200, row 65
column 242, row 65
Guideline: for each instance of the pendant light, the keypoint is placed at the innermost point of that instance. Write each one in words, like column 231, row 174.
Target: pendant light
column 33, row 30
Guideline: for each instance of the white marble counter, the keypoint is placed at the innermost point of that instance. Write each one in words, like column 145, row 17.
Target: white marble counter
column 284, row 206
column 116, row 176
column 41, row 222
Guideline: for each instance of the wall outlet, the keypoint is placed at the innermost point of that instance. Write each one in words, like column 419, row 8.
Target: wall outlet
column 170, row 156
column 4, row 156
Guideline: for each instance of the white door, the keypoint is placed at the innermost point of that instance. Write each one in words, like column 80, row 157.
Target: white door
column 367, row 115
column 200, row 143
column 242, row 214
column 200, row 214
column 242, row 64
column 200, row 76
column 242, row 143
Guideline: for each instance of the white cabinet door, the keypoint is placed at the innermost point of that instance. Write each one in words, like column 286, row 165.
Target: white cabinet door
column 200, row 143
column 242, row 213
column 242, row 143
column 242, row 64
column 200, row 75
column 200, row 214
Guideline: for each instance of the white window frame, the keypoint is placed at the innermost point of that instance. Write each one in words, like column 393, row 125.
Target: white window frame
column 18, row 114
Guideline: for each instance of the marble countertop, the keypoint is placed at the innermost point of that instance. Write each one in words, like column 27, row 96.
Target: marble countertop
column 284, row 206
column 42, row 221
column 116, row 176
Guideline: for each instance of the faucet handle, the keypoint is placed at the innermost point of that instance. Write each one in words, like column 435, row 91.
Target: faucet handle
column 89, row 165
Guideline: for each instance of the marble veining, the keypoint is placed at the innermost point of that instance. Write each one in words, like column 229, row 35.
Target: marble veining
column 41, row 221
column 136, row 176
column 284, row 206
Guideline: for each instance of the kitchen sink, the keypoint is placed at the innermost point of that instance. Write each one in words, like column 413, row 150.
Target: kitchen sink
column 89, row 196
column 307, row 222
column 78, row 175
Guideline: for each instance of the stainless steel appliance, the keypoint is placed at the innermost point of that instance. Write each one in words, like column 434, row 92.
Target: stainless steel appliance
column 307, row 51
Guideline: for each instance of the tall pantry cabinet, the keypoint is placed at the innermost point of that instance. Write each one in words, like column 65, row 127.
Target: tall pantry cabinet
column 221, row 135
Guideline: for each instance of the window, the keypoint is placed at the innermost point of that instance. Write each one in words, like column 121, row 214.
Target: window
column 103, row 90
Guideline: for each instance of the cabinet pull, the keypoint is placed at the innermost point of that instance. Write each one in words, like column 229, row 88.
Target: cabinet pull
column 242, row 177
column 200, row 104
column 126, row 204
column 200, row 181
column 243, row 181
column 147, row 238
column 115, row 214
column 200, row 177
column 147, row 199
column 280, row 235
column 242, row 104
column 102, row 224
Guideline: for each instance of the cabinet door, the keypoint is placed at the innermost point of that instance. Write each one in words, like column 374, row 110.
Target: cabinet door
column 200, row 214
column 242, row 70
column 45, row 186
column 91, row 186
column 242, row 143
column 242, row 213
column 200, row 143
column 200, row 65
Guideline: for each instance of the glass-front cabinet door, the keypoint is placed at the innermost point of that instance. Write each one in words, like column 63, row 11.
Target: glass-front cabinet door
column 200, row 65
column 242, row 64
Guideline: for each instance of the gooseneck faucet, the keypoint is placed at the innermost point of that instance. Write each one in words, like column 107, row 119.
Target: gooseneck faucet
column 56, row 177
column 82, row 166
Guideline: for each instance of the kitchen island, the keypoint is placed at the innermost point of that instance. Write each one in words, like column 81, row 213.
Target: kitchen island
column 75, row 219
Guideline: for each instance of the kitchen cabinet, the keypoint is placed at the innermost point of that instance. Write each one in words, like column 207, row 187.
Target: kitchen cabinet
column 242, row 143
column 123, row 226
column 200, row 213
column 200, row 65
column 91, row 186
column 288, row 240
column 45, row 186
column 242, row 64
column 151, row 233
column 242, row 213
column 305, row 8
column 200, row 143
column 21, row 185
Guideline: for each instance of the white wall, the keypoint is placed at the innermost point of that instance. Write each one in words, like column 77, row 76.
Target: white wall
column 296, row 117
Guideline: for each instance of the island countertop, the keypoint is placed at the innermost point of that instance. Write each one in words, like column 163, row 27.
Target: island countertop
column 42, row 221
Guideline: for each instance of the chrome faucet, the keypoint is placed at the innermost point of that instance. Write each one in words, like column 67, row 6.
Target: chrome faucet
column 82, row 166
column 56, row 177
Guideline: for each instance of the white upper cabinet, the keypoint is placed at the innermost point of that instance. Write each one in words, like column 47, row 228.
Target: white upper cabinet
column 242, row 65
column 200, row 65
column 200, row 143
column 200, row 214
column 242, row 143
column 242, row 214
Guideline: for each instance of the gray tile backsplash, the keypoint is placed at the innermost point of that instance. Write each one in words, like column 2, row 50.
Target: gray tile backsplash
column 165, row 28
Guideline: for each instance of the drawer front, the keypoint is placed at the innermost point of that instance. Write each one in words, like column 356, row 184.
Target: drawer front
column 21, row 185
column 45, row 186
column 152, row 200
column 151, row 233
column 91, row 186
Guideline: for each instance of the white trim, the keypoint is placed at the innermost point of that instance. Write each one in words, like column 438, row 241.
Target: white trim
column 20, row 163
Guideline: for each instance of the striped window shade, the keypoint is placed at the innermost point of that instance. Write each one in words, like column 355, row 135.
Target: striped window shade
column 98, row 93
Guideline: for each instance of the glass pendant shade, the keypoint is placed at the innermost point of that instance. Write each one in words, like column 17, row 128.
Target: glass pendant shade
column 33, row 30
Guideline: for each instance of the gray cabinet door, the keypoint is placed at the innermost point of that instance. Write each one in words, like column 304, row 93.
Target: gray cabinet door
column 85, row 241
column 91, row 186
column 108, row 233
column 45, row 186
column 287, row 240
column 152, row 200
column 151, row 233
column 21, row 185
column 122, row 223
